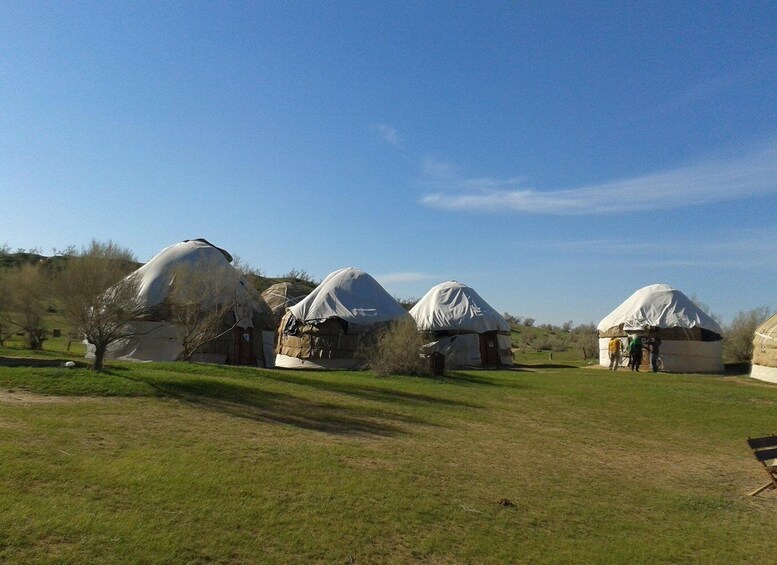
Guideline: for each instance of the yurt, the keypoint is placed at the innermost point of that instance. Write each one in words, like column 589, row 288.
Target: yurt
column 283, row 295
column 324, row 330
column 765, row 351
column 458, row 323
column 691, row 341
column 248, row 329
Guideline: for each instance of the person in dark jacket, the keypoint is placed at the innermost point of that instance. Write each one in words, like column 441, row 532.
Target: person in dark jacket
column 655, row 346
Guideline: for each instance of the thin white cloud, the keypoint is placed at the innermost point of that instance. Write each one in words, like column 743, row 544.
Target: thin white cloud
column 400, row 278
column 437, row 170
column 388, row 134
column 709, row 181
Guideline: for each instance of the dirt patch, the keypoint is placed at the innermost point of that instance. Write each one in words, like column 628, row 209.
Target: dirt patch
column 23, row 397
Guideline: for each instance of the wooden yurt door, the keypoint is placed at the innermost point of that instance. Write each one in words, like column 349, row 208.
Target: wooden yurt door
column 244, row 346
column 489, row 349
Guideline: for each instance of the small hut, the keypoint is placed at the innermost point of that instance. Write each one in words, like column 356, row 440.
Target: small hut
column 325, row 329
column 458, row 323
column 691, row 339
column 248, row 329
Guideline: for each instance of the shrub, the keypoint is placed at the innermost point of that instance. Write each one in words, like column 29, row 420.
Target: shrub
column 738, row 345
column 512, row 320
column 398, row 351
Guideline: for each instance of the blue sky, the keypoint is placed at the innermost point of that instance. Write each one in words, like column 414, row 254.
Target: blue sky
column 555, row 156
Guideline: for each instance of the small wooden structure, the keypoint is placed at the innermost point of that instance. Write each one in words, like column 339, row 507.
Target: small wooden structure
column 765, row 450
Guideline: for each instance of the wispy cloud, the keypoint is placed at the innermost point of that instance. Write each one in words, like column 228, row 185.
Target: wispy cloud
column 717, row 86
column 388, row 134
column 400, row 278
column 712, row 180
column 437, row 170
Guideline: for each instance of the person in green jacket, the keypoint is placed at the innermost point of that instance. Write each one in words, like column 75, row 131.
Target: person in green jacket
column 635, row 352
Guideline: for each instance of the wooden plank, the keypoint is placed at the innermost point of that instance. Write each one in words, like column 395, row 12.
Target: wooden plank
column 761, row 489
column 761, row 442
column 766, row 454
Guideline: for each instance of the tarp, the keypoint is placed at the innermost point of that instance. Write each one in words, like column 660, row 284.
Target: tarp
column 352, row 296
column 156, row 278
column 455, row 306
column 657, row 306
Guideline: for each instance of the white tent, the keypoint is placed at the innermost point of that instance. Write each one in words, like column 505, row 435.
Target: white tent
column 691, row 339
column 324, row 330
column 765, row 351
column 463, row 326
column 249, row 341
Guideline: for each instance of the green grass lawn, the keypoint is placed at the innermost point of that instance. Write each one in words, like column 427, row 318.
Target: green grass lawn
column 161, row 463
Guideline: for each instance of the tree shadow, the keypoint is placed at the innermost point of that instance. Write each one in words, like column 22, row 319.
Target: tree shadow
column 249, row 402
column 364, row 391
column 547, row 366
column 465, row 378
column 37, row 362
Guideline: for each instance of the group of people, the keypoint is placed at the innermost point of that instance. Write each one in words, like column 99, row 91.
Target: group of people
column 635, row 350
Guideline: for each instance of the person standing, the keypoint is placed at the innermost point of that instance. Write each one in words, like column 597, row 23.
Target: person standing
column 655, row 345
column 614, row 348
column 635, row 349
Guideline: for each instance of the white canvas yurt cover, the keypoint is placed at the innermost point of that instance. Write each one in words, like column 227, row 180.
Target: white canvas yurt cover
column 324, row 330
column 691, row 339
column 461, row 325
column 765, row 351
column 250, row 341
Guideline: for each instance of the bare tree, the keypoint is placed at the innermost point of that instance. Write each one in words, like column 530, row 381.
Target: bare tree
column 407, row 303
column 7, row 327
column 244, row 268
column 738, row 345
column 512, row 320
column 98, row 297
column 300, row 275
column 27, row 300
column 203, row 302
column 704, row 307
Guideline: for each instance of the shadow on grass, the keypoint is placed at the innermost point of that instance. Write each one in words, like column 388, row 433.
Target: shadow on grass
column 465, row 378
column 545, row 366
column 245, row 401
column 364, row 391
column 36, row 362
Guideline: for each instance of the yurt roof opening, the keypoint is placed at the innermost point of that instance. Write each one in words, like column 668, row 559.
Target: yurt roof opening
column 325, row 329
column 460, row 324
